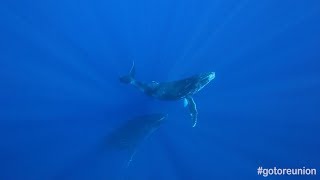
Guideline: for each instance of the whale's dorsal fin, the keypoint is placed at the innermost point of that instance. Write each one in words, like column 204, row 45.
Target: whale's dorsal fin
column 192, row 109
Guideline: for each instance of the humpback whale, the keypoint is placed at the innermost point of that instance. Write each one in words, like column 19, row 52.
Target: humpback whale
column 124, row 138
column 173, row 90
column 130, row 134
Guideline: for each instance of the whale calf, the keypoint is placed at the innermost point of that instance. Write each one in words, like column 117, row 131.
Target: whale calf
column 173, row 90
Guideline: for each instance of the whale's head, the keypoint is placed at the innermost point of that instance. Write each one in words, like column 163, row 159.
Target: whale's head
column 153, row 121
column 208, row 76
column 204, row 78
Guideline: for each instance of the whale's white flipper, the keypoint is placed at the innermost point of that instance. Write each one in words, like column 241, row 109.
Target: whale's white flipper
column 193, row 110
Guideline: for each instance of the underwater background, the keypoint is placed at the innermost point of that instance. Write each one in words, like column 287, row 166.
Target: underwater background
column 60, row 95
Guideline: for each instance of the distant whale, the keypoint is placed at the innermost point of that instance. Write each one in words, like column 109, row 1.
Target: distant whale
column 125, row 138
column 174, row 90
column 130, row 134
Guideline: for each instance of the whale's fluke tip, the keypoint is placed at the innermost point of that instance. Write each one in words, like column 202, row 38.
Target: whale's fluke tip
column 127, row 79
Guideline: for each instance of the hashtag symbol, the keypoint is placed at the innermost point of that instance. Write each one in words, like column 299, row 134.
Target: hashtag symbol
column 259, row 170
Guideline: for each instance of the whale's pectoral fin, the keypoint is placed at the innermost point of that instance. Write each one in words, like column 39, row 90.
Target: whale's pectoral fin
column 192, row 109
column 132, row 152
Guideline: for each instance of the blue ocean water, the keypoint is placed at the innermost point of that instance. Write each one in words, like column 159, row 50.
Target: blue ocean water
column 60, row 94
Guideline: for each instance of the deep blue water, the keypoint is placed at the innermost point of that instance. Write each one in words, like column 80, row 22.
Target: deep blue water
column 60, row 94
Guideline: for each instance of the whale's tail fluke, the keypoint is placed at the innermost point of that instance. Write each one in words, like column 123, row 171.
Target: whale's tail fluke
column 129, row 78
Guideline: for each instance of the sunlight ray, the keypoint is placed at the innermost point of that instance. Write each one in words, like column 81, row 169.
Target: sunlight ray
column 235, row 57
